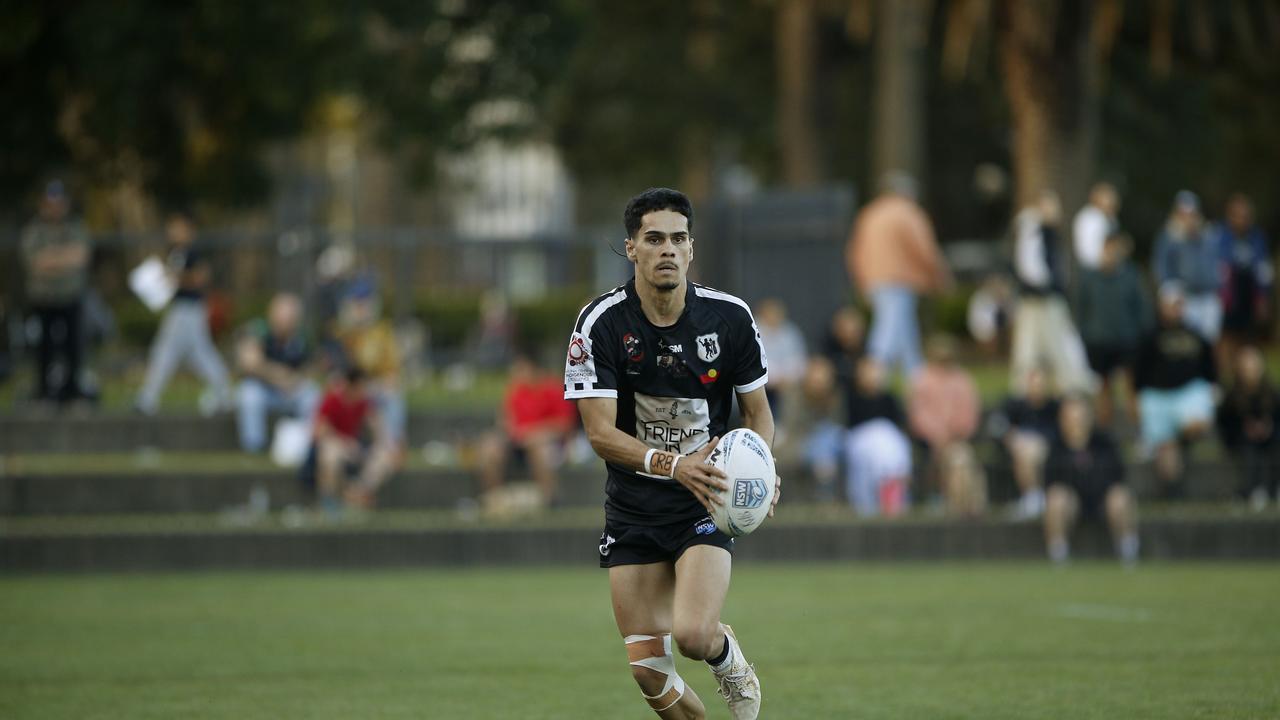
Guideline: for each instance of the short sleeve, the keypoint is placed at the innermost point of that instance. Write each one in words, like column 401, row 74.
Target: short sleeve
column 590, row 365
column 751, row 365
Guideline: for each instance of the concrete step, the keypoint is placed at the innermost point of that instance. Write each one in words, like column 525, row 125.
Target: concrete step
column 1172, row 537
column 185, row 433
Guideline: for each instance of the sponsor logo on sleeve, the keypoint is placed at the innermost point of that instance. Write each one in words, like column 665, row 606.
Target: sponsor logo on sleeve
column 579, row 367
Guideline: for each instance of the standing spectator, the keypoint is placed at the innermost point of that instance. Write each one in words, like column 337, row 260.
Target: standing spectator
column 784, row 346
column 273, row 354
column 369, row 343
column 892, row 258
column 184, row 330
column 1094, row 223
column 56, row 252
column 1244, row 259
column 1085, row 478
column 1247, row 419
column 350, row 439
column 1174, row 377
column 943, row 412
column 535, row 423
column 1043, row 333
column 1027, row 426
column 1114, row 315
column 877, row 449
column 813, row 433
column 1185, row 254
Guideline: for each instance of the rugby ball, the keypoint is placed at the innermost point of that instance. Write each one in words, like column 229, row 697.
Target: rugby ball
column 744, row 456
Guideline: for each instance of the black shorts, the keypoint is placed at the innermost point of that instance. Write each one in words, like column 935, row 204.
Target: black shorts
column 1092, row 497
column 1106, row 359
column 627, row 544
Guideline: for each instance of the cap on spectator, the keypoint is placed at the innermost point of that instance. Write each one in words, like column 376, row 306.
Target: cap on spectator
column 55, row 190
column 361, row 289
column 1186, row 201
column 1172, row 291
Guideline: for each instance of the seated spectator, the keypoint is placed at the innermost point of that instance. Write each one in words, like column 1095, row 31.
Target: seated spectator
column 369, row 343
column 784, row 346
column 534, row 423
column 1113, row 313
column 943, row 411
column 350, row 440
column 843, row 345
column 1174, row 377
column 1084, row 478
column 1247, row 419
column 272, row 355
column 184, row 335
column 1028, row 426
column 878, row 451
column 813, row 433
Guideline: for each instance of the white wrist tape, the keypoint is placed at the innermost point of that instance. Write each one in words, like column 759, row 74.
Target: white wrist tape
column 675, row 461
column 648, row 457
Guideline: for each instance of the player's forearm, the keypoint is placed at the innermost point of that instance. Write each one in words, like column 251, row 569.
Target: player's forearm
column 760, row 421
column 619, row 448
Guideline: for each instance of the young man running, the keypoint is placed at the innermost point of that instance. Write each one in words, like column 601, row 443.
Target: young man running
column 654, row 366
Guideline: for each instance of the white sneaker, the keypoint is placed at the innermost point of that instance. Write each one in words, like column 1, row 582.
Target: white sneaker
column 739, row 685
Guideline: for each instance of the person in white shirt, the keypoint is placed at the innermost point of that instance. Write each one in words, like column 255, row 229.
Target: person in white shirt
column 785, row 347
column 1095, row 221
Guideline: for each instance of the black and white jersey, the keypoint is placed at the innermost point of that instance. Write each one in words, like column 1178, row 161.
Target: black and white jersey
column 674, row 385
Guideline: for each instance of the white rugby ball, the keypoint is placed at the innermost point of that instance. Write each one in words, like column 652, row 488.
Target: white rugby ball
column 744, row 456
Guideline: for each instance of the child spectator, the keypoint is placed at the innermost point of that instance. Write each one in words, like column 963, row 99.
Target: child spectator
column 1113, row 314
column 273, row 354
column 943, row 411
column 350, row 439
column 1085, row 478
column 1174, row 376
column 1247, row 423
column 534, row 423
column 1028, row 425
column 878, row 452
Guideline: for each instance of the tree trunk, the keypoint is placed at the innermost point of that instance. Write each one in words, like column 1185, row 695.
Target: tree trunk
column 697, row 154
column 897, row 138
column 796, row 58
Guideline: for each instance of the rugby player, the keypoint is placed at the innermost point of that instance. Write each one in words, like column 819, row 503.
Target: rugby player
column 654, row 366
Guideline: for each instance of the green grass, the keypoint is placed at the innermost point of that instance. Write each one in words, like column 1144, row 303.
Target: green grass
column 832, row 641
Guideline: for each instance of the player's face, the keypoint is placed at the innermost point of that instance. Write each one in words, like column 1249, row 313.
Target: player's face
column 662, row 249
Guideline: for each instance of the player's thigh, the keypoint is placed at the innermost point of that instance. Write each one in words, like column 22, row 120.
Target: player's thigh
column 702, row 582
column 642, row 597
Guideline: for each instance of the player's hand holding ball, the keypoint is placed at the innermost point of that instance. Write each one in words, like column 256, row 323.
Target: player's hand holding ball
column 706, row 481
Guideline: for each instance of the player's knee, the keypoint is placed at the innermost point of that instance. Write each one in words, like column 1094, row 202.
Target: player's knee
column 654, row 670
column 651, row 682
column 698, row 641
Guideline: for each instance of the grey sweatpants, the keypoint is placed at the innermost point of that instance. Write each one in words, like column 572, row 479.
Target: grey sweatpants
column 184, row 336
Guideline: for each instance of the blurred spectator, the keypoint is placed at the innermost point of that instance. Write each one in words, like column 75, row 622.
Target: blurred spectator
column 1114, row 316
column 1043, row 332
column 55, row 253
column 1027, row 426
column 272, row 355
column 1174, row 376
column 878, row 451
column 368, row 342
column 184, row 330
column 1247, row 419
column 534, row 424
column 892, row 257
column 813, row 434
column 1244, row 258
column 990, row 310
column 843, row 345
column 1185, row 254
column 496, row 332
column 1094, row 223
column 943, row 411
column 784, row 346
column 335, row 272
column 1084, row 478
column 350, row 441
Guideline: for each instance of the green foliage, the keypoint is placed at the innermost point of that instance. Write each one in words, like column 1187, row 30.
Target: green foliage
column 547, row 322
column 451, row 318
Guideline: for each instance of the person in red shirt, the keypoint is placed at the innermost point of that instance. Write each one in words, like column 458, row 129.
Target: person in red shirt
column 346, row 412
column 534, row 421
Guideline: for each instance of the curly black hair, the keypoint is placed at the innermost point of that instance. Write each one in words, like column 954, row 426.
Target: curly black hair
column 652, row 200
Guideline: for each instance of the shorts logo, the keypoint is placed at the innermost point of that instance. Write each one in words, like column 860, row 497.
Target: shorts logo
column 578, row 354
column 606, row 540
column 748, row 494
column 708, row 347
column 705, row 526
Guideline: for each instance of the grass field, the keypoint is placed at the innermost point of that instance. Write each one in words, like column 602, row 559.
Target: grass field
column 831, row 641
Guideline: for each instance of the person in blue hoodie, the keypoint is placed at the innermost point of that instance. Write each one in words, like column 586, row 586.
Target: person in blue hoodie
column 1244, row 261
column 1186, row 254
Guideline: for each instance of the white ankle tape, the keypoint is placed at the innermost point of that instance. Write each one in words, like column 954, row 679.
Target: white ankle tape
column 654, row 653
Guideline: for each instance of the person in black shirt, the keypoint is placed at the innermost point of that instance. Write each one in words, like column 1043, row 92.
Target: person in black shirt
column 1084, row 477
column 877, row 449
column 1247, row 420
column 654, row 366
column 273, row 354
column 1027, row 426
column 1174, row 377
